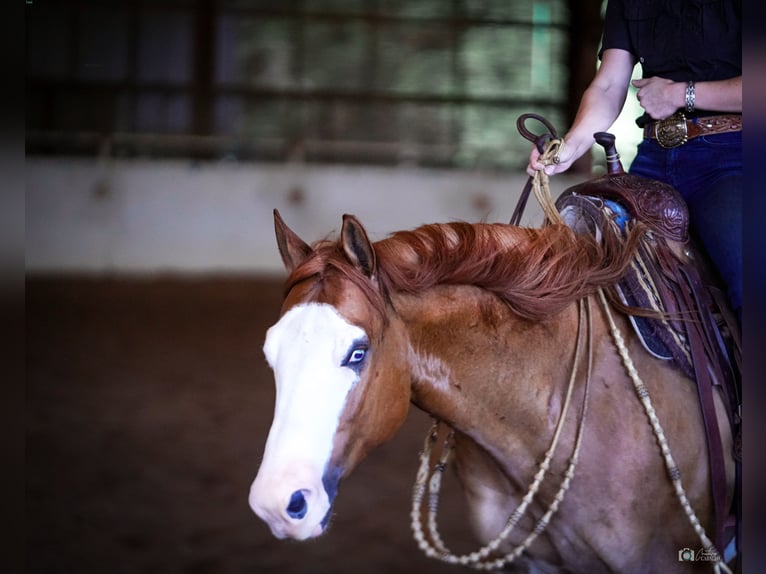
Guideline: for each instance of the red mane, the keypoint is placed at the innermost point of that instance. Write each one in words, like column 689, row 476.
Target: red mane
column 537, row 272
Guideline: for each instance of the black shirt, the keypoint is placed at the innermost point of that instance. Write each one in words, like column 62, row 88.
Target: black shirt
column 681, row 40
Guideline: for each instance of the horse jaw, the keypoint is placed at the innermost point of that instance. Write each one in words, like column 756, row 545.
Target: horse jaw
column 306, row 349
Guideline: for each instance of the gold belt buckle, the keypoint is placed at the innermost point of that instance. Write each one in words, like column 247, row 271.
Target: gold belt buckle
column 671, row 132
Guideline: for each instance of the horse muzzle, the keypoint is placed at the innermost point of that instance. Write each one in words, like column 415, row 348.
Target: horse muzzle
column 291, row 508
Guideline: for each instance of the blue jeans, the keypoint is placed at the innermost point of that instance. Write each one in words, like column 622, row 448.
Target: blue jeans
column 707, row 171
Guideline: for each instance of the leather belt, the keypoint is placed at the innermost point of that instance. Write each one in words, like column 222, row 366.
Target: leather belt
column 677, row 129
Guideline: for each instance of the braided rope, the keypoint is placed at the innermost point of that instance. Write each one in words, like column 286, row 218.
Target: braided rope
column 673, row 471
column 479, row 559
column 540, row 181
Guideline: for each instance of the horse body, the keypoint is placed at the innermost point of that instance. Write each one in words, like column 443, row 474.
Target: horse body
column 363, row 343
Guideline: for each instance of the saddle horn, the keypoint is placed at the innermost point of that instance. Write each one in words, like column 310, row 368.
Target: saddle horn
column 606, row 141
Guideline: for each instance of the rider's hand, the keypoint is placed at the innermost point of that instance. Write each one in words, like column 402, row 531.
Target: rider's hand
column 565, row 160
column 660, row 97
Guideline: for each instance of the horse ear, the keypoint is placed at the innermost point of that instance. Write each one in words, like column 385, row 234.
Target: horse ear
column 291, row 247
column 357, row 245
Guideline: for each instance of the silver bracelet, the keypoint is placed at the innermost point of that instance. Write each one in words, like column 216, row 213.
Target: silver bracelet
column 690, row 97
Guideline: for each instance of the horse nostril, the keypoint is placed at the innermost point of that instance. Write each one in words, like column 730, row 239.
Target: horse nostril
column 297, row 507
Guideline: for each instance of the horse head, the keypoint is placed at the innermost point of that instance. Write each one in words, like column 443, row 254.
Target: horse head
column 333, row 401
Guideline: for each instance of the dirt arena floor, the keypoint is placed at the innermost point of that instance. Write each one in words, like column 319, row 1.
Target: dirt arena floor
column 148, row 405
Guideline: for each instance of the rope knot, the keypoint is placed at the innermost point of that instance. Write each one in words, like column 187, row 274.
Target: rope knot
column 550, row 154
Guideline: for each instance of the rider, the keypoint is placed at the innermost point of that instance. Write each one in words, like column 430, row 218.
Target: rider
column 691, row 58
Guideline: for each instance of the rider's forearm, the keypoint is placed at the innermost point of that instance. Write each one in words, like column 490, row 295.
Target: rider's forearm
column 721, row 96
column 599, row 107
column 602, row 102
column 598, row 110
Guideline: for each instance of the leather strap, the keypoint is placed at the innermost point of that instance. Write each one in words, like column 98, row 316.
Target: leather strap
column 521, row 203
column 703, row 126
column 691, row 290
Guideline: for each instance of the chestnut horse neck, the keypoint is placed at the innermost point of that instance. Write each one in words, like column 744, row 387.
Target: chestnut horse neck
column 480, row 559
column 433, row 545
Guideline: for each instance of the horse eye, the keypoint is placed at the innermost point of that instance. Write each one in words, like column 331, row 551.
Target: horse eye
column 356, row 356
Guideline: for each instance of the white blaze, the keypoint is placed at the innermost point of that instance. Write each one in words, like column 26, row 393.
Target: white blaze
column 305, row 349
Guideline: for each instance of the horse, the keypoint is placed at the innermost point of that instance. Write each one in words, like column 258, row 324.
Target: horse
column 500, row 333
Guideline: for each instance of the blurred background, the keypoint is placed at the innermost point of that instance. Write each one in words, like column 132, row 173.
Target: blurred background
column 160, row 136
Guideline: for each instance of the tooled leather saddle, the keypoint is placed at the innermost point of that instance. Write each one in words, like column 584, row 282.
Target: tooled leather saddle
column 672, row 300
